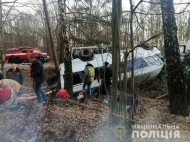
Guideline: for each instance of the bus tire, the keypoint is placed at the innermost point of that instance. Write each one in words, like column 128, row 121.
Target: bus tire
column 11, row 59
column 18, row 61
column 85, row 54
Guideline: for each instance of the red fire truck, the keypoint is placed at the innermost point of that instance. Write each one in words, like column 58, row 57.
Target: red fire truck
column 22, row 54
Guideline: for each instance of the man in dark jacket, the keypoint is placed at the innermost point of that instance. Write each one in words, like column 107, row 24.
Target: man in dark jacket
column 107, row 77
column 75, row 55
column 38, row 75
column 15, row 74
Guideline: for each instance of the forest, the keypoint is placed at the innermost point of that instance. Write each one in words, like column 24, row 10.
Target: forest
column 145, row 44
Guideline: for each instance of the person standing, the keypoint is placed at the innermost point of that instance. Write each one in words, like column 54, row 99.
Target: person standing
column 89, row 74
column 75, row 55
column 38, row 76
column 106, row 78
column 15, row 74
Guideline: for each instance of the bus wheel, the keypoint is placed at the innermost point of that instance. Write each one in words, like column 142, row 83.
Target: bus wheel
column 18, row 61
column 11, row 59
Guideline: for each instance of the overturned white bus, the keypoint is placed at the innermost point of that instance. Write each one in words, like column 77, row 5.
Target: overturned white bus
column 147, row 66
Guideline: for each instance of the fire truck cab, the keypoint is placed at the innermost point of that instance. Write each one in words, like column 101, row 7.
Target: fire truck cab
column 22, row 54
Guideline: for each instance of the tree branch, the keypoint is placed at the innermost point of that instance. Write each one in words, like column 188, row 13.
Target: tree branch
column 9, row 2
column 10, row 9
column 138, row 45
column 134, row 9
column 157, row 3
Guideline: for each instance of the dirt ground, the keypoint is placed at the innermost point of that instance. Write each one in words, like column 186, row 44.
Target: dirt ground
column 153, row 111
column 57, row 119
column 67, row 120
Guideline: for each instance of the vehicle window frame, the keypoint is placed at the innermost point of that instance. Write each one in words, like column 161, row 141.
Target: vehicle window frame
column 24, row 51
column 129, row 66
column 148, row 61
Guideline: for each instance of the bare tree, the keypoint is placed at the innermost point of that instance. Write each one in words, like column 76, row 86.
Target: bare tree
column 51, row 36
column 1, row 30
column 116, row 23
column 188, row 29
column 132, row 9
column 1, row 35
column 64, row 48
column 176, row 84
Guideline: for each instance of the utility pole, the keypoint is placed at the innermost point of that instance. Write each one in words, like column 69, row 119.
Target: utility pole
column 50, row 36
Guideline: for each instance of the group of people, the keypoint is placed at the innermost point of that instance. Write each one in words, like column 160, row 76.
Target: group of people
column 10, row 88
column 89, row 75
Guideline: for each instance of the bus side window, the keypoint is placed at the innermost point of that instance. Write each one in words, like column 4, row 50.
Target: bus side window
column 77, row 78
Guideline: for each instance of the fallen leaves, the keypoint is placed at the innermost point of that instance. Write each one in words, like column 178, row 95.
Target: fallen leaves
column 60, row 121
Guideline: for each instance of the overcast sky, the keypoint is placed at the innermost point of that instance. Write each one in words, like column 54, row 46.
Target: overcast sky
column 125, row 3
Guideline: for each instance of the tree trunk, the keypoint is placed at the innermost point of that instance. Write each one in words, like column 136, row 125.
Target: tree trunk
column 1, row 37
column 176, row 84
column 51, row 36
column 64, row 48
column 188, row 29
column 132, row 61
column 116, row 23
